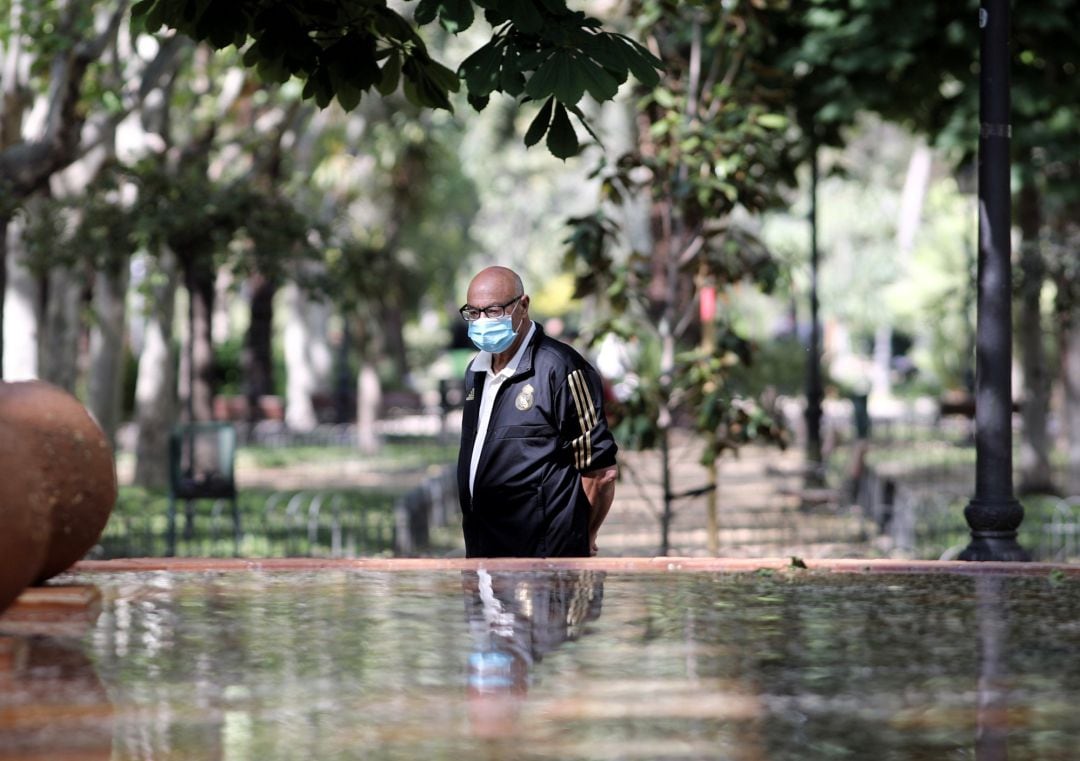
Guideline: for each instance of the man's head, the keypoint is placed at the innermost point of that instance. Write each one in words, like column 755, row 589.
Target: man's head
column 500, row 288
column 497, row 286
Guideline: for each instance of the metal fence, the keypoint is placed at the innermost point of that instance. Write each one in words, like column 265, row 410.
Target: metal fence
column 322, row 523
column 303, row 523
column 1059, row 539
column 919, row 508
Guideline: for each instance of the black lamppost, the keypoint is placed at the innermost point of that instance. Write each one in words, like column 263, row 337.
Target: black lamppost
column 994, row 514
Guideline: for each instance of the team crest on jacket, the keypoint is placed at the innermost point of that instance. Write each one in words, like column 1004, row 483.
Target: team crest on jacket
column 472, row 394
column 524, row 400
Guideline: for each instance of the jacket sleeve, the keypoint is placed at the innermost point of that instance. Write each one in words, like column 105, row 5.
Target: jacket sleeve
column 583, row 427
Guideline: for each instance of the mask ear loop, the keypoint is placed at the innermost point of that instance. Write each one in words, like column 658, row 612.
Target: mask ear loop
column 516, row 305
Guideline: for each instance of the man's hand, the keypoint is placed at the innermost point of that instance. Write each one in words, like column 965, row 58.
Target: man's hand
column 599, row 487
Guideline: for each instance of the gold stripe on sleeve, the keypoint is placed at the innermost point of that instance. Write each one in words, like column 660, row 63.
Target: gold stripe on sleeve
column 586, row 419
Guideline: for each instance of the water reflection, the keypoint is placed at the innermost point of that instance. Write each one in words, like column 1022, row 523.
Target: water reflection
column 53, row 704
column 388, row 666
column 992, row 729
column 514, row 620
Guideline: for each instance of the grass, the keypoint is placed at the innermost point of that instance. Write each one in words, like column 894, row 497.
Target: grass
column 399, row 454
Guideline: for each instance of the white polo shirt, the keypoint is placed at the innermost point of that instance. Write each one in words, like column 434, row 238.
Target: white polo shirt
column 492, row 381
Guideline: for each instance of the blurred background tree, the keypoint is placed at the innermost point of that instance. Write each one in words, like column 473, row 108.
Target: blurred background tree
column 209, row 202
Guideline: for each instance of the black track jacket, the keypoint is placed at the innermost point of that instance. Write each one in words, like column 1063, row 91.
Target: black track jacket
column 547, row 427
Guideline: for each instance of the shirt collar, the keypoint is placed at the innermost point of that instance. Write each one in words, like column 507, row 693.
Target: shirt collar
column 482, row 363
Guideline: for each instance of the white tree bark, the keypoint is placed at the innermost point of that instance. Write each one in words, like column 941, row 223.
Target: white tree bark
column 21, row 318
column 308, row 359
column 368, row 400
column 221, row 328
column 1070, row 373
column 107, row 342
column 912, row 196
column 155, row 389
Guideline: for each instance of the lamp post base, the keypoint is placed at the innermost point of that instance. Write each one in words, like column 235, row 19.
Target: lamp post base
column 993, row 525
column 994, row 545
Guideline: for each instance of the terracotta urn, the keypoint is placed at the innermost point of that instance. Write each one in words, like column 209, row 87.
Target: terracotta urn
column 60, row 447
column 24, row 506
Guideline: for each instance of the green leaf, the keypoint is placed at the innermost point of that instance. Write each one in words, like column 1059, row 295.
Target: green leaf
column 273, row 70
column 601, row 85
column 319, row 87
column 562, row 140
column 542, row 83
column 511, row 81
column 481, row 69
column 347, row 95
column 478, row 102
column 155, row 17
column 351, row 60
column 773, row 121
column 607, row 50
column 420, row 88
column 643, row 65
column 570, row 80
column 149, row 13
column 394, row 27
column 576, row 111
column 524, row 15
column 425, row 11
column 539, row 124
column 391, row 74
column 445, row 78
column 457, row 15
column 408, row 87
column 454, row 15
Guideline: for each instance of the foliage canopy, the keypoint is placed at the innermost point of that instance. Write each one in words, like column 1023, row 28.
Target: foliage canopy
column 540, row 50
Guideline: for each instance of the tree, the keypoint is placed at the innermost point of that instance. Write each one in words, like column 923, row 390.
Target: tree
column 712, row 147
column 402, row 237
column 842, row 53
column 70, row 38
column 539, row 50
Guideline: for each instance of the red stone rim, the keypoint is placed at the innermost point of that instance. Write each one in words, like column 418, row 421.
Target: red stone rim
column 611, row 565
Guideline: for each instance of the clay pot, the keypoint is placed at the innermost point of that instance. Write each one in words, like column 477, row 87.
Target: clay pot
column 62, row 445
column 25, row 512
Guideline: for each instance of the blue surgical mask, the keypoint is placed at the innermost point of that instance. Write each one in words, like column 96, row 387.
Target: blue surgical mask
column 493, row 334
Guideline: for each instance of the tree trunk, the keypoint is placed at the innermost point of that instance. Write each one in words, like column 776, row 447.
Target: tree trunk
column 59, row 344
column 368, row 400
column 1069, row 341
column 107, row 342
column 155, row 389
column 21, row 310
column 308, row 359
column 909, row 219
column 393, row 334
column 199, row 347
column 258, row 356
column 1035, row 472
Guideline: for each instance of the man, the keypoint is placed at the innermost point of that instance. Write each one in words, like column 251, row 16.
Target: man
column 536, row 470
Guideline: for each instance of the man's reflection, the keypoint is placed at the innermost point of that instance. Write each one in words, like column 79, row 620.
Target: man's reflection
column 515, row 618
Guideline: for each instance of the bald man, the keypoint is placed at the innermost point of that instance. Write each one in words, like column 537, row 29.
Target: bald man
column 536, row 469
